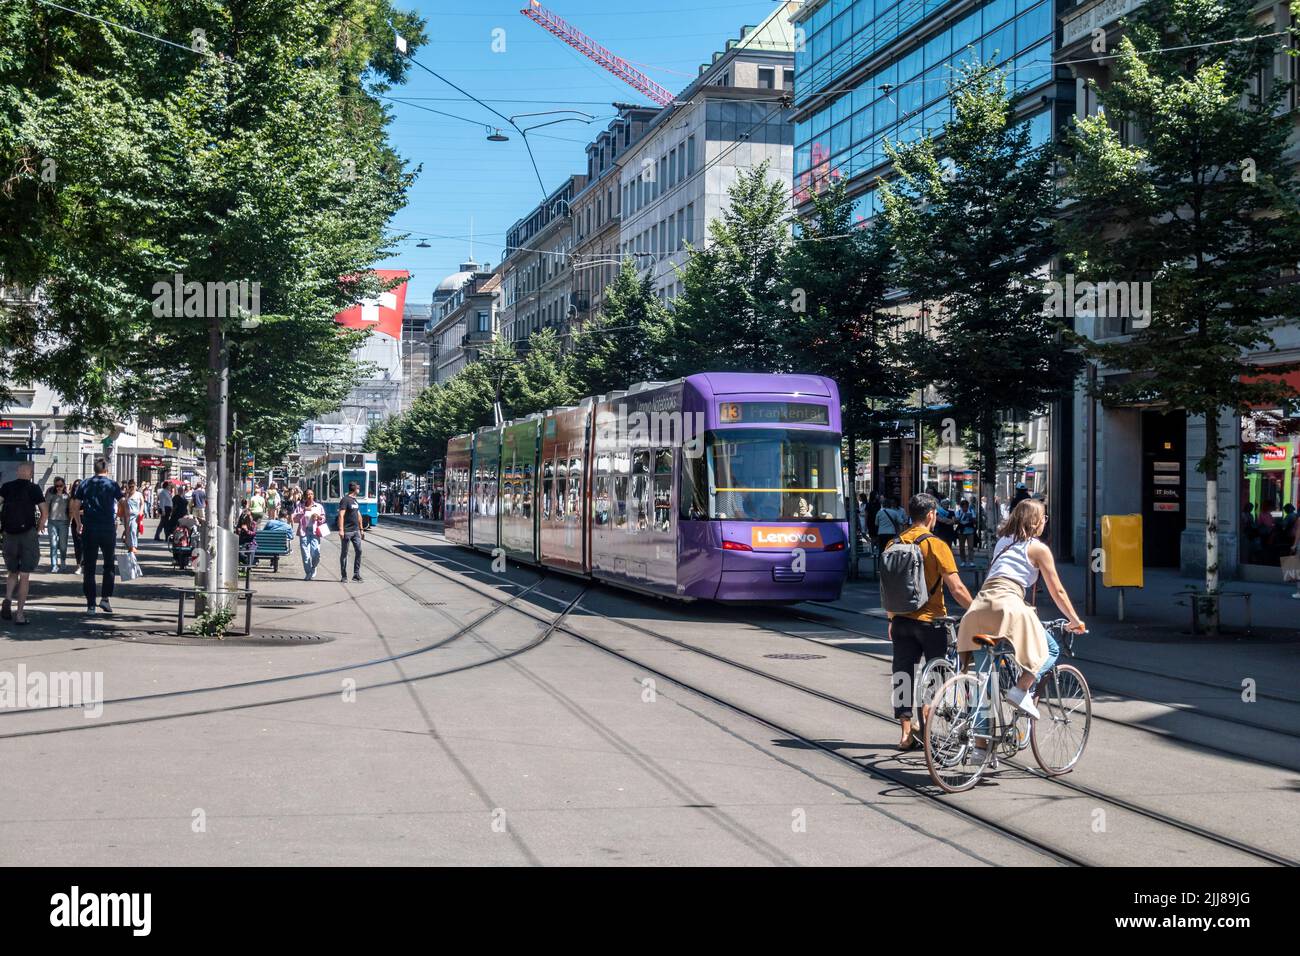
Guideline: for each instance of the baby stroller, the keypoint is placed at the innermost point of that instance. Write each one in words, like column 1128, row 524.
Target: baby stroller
column 183, row 542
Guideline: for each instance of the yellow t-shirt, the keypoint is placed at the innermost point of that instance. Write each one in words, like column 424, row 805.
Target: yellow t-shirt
column 937, row 559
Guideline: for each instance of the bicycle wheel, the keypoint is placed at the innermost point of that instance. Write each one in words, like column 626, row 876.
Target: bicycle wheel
column 955, row 763
column 1061, row 731
column 935, row 674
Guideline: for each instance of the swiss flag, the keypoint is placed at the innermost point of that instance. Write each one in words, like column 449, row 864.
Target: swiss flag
column 384, row 314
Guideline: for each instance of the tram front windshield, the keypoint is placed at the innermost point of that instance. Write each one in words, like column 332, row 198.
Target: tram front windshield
column 776, row 474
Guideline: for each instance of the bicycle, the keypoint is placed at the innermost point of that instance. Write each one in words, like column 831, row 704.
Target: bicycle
column 936, row 673
column 971, row 721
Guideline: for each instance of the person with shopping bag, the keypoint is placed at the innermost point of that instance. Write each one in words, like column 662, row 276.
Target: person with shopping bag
column 311, row 527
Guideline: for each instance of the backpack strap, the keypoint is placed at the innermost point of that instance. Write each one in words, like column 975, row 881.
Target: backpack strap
column 939, row 583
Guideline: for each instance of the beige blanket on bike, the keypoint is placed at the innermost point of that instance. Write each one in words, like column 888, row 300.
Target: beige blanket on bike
column 999, row 610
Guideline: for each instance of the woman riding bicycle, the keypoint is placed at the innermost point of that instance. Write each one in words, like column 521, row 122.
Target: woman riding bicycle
column 1000, row 609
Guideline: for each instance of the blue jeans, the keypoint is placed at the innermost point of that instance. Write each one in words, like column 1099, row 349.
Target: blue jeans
column 978, row 663
column 309, row 545
column 58, row 544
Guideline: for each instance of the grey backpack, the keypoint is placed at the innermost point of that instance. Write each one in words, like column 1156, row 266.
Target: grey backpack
column 902, row 577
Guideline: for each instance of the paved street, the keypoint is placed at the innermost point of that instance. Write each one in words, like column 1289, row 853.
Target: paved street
column 490, row 726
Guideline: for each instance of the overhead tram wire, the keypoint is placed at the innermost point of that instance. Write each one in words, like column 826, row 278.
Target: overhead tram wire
column 494, row 111
column 140, row 33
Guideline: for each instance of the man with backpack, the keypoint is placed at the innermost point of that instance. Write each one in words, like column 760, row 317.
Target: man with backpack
column 22, row 518
column 914, row 567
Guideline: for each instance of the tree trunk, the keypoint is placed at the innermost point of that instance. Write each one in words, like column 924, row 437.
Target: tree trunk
column 1211, row 464
column 989, row 518
column 212, row 454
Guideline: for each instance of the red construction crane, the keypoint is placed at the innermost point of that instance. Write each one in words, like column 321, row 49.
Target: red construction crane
column 594, row 51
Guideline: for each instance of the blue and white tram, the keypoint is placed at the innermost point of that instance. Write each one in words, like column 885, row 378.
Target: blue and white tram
column 330, row 475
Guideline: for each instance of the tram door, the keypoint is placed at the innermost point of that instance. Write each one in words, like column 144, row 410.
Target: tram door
column 662, row 519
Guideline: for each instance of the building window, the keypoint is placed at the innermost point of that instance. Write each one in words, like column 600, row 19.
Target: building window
column 787, row 80
column 766, row 78
column 690, row 156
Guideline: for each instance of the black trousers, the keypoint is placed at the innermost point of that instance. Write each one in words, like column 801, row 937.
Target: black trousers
column 353, row 537
column 912, row 640
column 163, row 522
column 93, row 543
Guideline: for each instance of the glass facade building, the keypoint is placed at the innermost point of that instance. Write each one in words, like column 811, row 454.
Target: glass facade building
column 868, row 71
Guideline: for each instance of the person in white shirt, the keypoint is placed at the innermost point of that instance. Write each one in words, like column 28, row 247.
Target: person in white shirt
column 164, row 509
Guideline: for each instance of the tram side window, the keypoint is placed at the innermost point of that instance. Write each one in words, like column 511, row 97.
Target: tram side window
column 548, row 488
column 334, row 486
column 372, row 484
column 622, row 481
column 561, row 490
column 525, row 501
column 693, row 499
column 663, row 489
column 639, row 505
column 600, row 500
column 575, row 487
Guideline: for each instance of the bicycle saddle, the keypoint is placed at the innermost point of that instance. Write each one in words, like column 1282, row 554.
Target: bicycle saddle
column 985, row 640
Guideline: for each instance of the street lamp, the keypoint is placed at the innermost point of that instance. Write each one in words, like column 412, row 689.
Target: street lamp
column 496, row 136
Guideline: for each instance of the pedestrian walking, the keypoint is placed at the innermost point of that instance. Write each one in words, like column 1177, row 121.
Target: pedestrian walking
column 56, row 504
column 164, row 510
column 890, row 521
column 73, row 530
column 257, row 504
column 273, row 502
column 350, row 533
column 22, row 518
column 919, row 634
column 198, row 500
column 965, row 516
column 131, row 511
column 94, row 513
column 309, row 523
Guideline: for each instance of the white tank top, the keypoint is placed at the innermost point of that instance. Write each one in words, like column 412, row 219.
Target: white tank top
column 1011, row 560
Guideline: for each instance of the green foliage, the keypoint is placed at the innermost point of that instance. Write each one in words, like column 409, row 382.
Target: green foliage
column 630, row 341
column 532, row 383
column 730, row 312
column 972, row 220
column 264, row 158
column 838, row 274
column 214, row 622
column 1204, row 206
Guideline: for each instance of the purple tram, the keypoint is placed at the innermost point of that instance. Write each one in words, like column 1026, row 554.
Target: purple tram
column 720, row 486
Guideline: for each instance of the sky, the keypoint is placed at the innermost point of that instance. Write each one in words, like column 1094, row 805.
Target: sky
column 466, row 178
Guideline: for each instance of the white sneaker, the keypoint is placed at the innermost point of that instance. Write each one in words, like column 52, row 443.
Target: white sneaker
column 1022, row 700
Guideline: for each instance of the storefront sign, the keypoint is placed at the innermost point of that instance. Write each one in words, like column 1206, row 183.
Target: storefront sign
column 6, row 424
column 151, row 462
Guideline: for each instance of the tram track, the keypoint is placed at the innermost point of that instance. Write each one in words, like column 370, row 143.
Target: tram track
column 548, row 629
column 1202, row 714
column 1122, row 803
column 987, row 823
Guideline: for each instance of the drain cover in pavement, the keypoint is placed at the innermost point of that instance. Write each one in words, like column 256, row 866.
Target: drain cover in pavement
column 279, row 602
column 255, row 639
column 795, row 657
column 433, row 604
